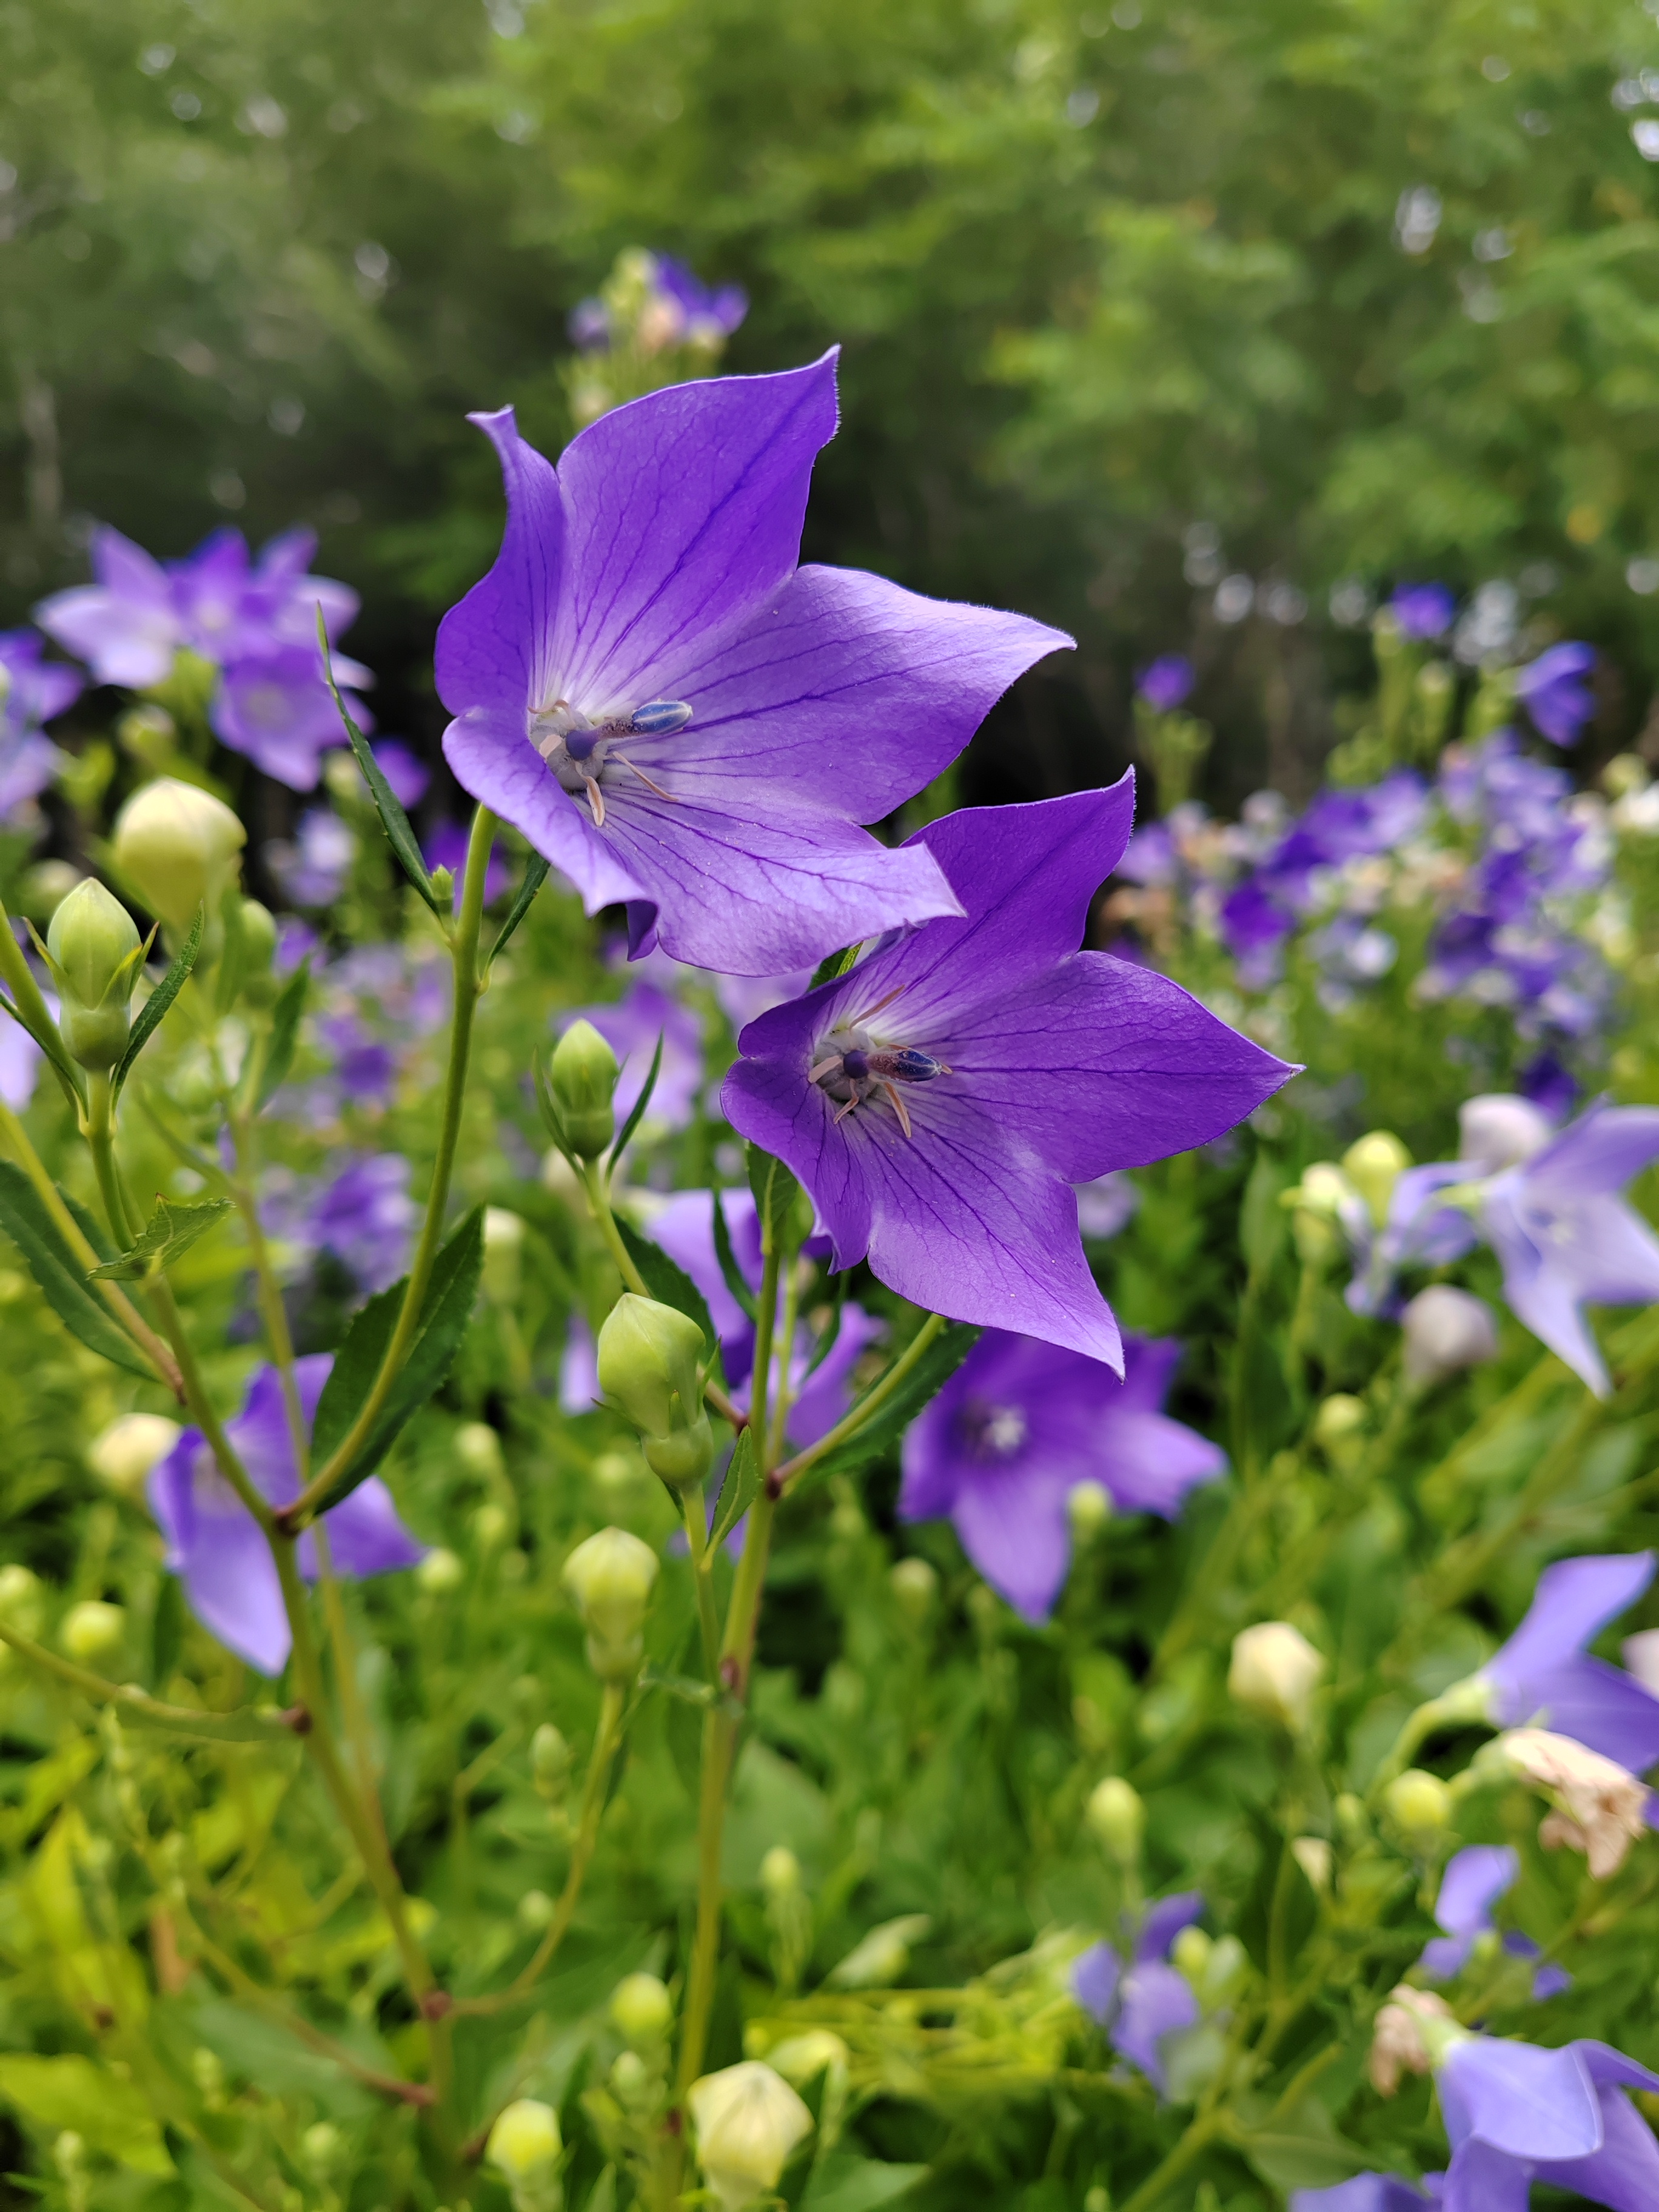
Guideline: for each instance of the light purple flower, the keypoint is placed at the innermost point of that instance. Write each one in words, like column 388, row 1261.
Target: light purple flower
column 32, row 691
column 1107, row 1205
column 579, row 1370
column 312, row 869
column 365, row 1217
column 1423, row 611
column 588, row 325
column 20, row 1064
column 1141, row 2002
column 682, row 720
column 1515, row 2114
column 215, row 1545
column 1166, row 682
column 631, row 1026
column 1553, row 691
column 365, row 1066
column 1474, row 1881
column 408, row 774
column 1370, row 2193
column 1007, row 1065
column 1543, row 1677
column 447, row 848
column 707, row 313
column 275, row 707
column 1016, row 1429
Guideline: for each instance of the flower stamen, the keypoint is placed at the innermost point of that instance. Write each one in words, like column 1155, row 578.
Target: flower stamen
column 854, row 1075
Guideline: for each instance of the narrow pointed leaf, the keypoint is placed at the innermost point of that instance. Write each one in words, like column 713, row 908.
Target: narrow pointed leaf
column 728, row 1259
column 30, row 1012
column 155, row 1006
column 285, row 1018
column 832, row 965
column 888, row 1424
column 444, row 1312
column 60, row 1275
column 738, row 1490
column 637, row 1113
column 536, row 872
column 166, row 1236
column 396, row 823
column 773, row 1187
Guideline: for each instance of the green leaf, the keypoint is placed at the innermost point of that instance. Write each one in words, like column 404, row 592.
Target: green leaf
column 834, row 964
column 155, row 1006
column 737, row 1492
column 535, row 875
column 399, row 836
column 773, row 1187
column 1303, row 2150
column 637, row 1112
column 888, row 1424
column 728, row 1259
column 444, row 1312
column 29, row 1011
column 845, row 2183
column 60, row 1274
column 71, row 2090
column 166, row 1236
column 285, row 1018
column 667, row 1283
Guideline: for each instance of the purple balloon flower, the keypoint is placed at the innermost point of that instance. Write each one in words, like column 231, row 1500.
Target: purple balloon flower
column 32, row 691
column 408, row 774
column 1543, row 1677
column 314, row 867
column 1140, row 2001
column 1016, row 1429
column 1553, row 691
column 275, row 707
column 215, row 1546
column 1471, row 1886
column 1515, row 2114
column 1367, row 2192
column 940, row 1099
column 1423, row 611
column 683, row 720
column 365, row 1217
column 1166, row 681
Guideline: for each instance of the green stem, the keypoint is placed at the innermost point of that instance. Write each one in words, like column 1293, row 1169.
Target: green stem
column 268, row 1290
column 1197, row 2139
column 871, row 1402
column 694, row 1507
column 98, row 1130
column 786, row 1339
column 464, row 954
column 225, row 1457
column 136, row 1705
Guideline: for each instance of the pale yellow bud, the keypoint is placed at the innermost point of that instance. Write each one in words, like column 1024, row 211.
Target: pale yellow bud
column 525, row 2140
column 1373, row 1165
column 179, row 849
column 1420, row 1805
column 748, row 2121
column 1275, row 1671
column 440, row 1572
column 1117, row 1817
column 125, row 1453
column 641, row 2010
column 610, row 1578
column 91, row 1630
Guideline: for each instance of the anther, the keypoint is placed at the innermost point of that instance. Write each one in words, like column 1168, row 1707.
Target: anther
column 596, row 800
column 658, row 719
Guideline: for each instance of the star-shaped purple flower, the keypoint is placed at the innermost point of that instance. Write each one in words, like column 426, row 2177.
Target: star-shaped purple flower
column 1543, row 1677
column 275, row 707
column 1142, row 2000
column 939, row 1100
column 1016, row 1429
column 1553, row 691
column 215, row 1545
column 683, row 720
column 1475, row 1880
column 1423, row 611
column 1367, row 2192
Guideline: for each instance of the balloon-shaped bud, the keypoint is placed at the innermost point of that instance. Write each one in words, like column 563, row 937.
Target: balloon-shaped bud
column 525, row 2147
column 1445, row 1330
column 1320, row 1201
column 610, row 1578
column 179, row 848
column 440, row 1572
column 1420, row 1806
column 91, row 1630
column 1117, row 1818
column 1339, row 1429
column 748, row 2121
column 1088, row 1507
column 503, row 1251
column 1498, row 1130
column 255, row 927
column 1373, row 1165
column 21, row 1598
column 95, row 955
column 549, row 1762
column 647, row 1358
column 641, row 2010
column 124, row 1454
column 582, row 1076
column 914, row 1585
column 780, row 1872
column 1274, row 1671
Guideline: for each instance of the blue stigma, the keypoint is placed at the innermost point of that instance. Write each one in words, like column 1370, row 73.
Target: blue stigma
column 855, row 1064
column 579, row 743
column 657, row 718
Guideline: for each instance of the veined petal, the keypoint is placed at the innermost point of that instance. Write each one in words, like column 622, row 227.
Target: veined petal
column 1483, row 2179
column 848, row 693
column 1149, row 1462
column 494, row 761
column 1013, row 1527
column 683, row 516
column 1543, row 1296
column 1597, row 1153
column 495, row 648
column 1624, row 2174
column 1528, row 2102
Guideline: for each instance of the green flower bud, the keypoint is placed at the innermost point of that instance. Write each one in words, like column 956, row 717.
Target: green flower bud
column 179, row 849
column 95, row 954
column 322, row 2149
column 440, row 1572
column 1190, row 1955
column 914, row 1586
column 1117, row 1818
column 780, row 1872
column 1275, row 1670
column 648, row 1368
column 582, row 1076
column 1373, row 1165
column 1420, row 1805
column 256, row 929
column 91, row 1630
column 1089, row 1508
column 1339, row 1430
column 525, row 2147
column 609, row 1579
column 1318, row 1201
column 549, row 1762
column 124, row 1454
column 478, row 1448
column 535, row 1911
column 802, row 2058
column 641, row 2010
column 21, row 1599
column 503, row 1248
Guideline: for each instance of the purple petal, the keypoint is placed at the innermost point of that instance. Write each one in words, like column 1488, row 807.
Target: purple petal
column 1094, row 1978
column 826, row 1394
column 1013, row 1527
column 215, row 1546
column 1575, row 1600
column 408, row 775
column 494, row 649
column 365, row 1535
column 1595, row 1704
column 1473, row 1882
column 579, row 1371
column 1164, row 1922
column 125, row 626
column 1156, row 2002
column 1150, row 1462
column 1530, row 2103
column 1366, row 2192
column 1594, row 1156
column 685, row 1228
column 1149, row 1368
column 1483, row 2179
column 1624, row 2174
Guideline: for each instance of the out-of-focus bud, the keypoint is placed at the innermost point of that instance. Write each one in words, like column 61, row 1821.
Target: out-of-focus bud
column 1373, row 1165
column 503, row 1249
column 322, row 2149
column 91, row 1630
column 647, row 1358
column 877, row 1960
column 95, row 955
column 802, row 2058
column 748, row 2121
column 1274, row 1671
column 179, row 848
column 255, row 927
column 641, row 2010
column 1117, row 1818
column 1413, row 2032
column 1499, row 1130
column 1339, row 1429
column 610, row 1578
column 582, row 1076
column 1225, row 1972
column 1315, row 1858
column 1319, row 1201
column 1420, row 1805
column 916, row 1586
column 1088, row 1507
column 779, row 1871
column 549, row 1762
column 440, row 1572
column 1600, row 1807
column 124, row 1454
column 1351, row 1820
column 21, row 1598
column 535, row 1911
column 1445, row 1330
column 478, row 1448
column 525, row 2146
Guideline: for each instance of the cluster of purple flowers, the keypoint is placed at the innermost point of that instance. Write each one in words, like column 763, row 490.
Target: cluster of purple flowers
column 33, row 691
column 677, row 309
column 253, row 621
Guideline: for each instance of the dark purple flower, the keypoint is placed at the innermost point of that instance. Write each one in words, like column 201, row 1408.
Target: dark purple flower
column 1553, row 691
column 1423, row 611
column 1166, row 681
column 32, row 691
column 709, row 314
column 365, row 1066
column 1369, row 2193
column 631, row 1026
column 312, row 870
column 1016, row 1429
column 214, row 1543
column 1542, row 1676
column 408, row 774
column 1515, row 2114
column 365, row 1217
column 1549, row 1086
column 1474, row 1881
column 447, row 848
column 275, row 707
column 683, row 720
column 1141, row 2002
column 940, row 1099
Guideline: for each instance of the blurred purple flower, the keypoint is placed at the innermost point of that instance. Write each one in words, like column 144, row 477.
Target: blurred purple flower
column 446, row 848
column 20, row 1064
column 1372, row 2192
column 313, row 868
column 365, row 1066
column 578, row 1369
column 1474, row 1881
column 1553, row 691
column 1016, row 1429
column 1166, row 681
column 214, row 1543
column 407, row 773
column 32, row 691
column 1516, row 2114
column 708, row 313
column 1423, row 611
column 1543, row 1678
column 275, row 707
column 296, row 941
column 365, row 1217
column 1142, row 2000
column 1107, row 1205
column 588, row 325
